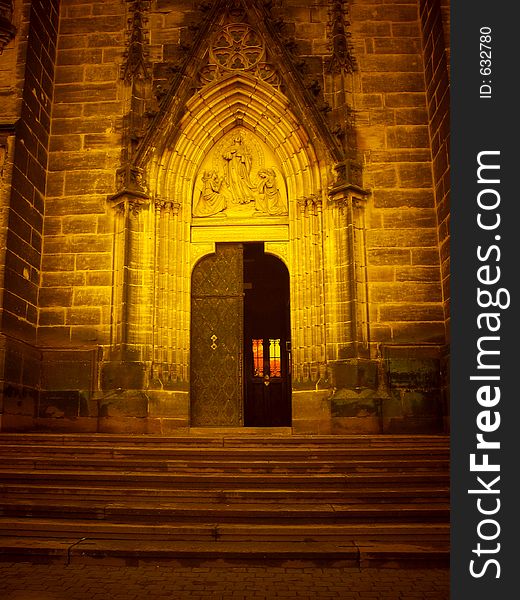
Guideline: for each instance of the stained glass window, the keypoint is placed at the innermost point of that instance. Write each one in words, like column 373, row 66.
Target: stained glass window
column 272, row 354
column 275, row 363
column 258, row 358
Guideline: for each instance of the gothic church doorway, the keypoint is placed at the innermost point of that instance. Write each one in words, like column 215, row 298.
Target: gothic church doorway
column 240, row 339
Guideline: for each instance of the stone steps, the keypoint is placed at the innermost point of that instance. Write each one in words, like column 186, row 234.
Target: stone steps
column 368, row 499
column 426, row 493
column 389, row 532
column 242, row 437
column 236, row 512
column 226, row 465
column 228, row 453
column 339, row 555
column 226, row 480
column 300, row 445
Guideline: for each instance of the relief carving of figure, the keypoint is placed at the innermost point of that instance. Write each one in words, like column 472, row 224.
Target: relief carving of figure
column 269, row 199
column 236, row 181
column 211, row 200
column 237, row 171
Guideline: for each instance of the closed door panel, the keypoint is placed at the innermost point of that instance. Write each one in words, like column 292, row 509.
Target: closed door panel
column 217, row 339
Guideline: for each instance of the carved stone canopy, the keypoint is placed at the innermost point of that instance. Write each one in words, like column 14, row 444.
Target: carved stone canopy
column 131, row 189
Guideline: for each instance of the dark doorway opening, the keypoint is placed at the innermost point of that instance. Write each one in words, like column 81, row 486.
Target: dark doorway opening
column 267, row 341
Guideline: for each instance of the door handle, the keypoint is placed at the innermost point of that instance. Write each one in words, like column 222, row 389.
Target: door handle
column 266, row 380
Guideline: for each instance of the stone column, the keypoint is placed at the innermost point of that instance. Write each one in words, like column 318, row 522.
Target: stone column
column 122, row 404
column 311, row 411
column 354, row 375
column 167, row 392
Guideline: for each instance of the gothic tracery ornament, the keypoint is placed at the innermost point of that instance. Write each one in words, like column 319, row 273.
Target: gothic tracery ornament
column 238, row 47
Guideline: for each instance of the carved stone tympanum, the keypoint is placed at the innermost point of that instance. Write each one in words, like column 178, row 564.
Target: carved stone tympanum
column 242, row 180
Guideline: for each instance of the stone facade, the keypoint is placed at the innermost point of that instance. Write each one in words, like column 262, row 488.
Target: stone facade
column 110, row 113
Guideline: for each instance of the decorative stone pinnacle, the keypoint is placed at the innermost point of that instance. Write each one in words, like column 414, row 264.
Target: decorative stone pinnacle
column 137, row 52
column 342, row 59
column 7, row 29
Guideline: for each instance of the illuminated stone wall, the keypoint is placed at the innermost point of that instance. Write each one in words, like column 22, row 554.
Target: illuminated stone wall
column 436, row 40
column 26, row 92
column 137, row 109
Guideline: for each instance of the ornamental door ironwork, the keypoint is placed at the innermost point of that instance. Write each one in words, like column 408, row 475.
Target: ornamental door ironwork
column 217, row 339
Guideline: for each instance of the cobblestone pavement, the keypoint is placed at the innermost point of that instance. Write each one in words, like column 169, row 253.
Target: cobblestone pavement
column 24, row 581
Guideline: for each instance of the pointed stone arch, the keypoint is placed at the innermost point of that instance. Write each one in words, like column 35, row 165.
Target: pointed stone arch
column 159, row 243
column 213, row 112
column 216, row 110
column 187, row 82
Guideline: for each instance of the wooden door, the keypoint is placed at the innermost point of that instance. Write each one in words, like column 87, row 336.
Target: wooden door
column 216, row 395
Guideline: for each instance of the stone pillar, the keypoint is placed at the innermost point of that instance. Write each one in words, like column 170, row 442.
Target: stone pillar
column 311, row 409
column 27, row 73
column 167, row 392
column 355, row 390
column 123, row 405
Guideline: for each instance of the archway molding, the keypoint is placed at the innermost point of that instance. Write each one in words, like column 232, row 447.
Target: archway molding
column 214, row 111
column 159, row 243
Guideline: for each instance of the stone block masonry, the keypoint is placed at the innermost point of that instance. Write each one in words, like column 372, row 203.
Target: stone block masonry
column 26, row 210
column 87, row 270
column 22, row 193
column 85, row 154
column 435, row 35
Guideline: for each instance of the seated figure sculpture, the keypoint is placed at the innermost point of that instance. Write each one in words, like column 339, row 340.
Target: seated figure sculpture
column 269, row 200
column 211, row 201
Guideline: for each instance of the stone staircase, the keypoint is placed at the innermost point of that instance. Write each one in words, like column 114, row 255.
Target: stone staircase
column 225, row 495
